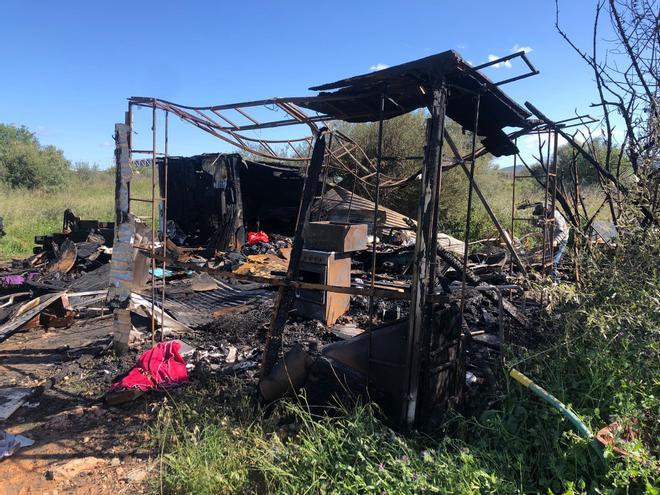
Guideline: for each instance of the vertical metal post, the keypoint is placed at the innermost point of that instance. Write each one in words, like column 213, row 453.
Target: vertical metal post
column 153, row 224
column 163, row 227
column 326, row 168
column 425, row 248
column 553, row 198
column 350, row 201
column 129, row 123
column 545, row 207
column 576, row 196
column 379, row 156
column 468, row 218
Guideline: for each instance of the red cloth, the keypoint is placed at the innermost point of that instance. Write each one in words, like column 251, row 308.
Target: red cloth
column 160, row 367
column 254, row 237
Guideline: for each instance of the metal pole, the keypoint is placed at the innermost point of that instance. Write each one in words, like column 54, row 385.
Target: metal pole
column 163, row 227
column 576, row 192
column 545, row 206
column 153, row 226
column 379, row 157
column 469, row 205
column 513, row 199
column 129, row 121
column 553, row 198
column 326, row 167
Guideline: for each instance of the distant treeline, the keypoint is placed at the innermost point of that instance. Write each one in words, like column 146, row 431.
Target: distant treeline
column 25, row 163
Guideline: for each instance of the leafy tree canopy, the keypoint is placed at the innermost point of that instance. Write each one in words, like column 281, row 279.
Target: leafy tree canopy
column 25, row 163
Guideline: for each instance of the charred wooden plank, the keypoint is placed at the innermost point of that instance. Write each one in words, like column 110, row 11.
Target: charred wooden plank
column 285, row 296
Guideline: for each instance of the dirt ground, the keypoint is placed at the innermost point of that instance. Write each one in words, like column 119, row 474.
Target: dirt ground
column 84, row 446
column 81, row 446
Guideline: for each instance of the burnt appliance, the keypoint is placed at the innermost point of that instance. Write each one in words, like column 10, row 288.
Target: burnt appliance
column 328, row 268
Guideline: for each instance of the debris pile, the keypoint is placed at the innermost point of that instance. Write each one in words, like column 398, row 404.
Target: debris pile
column 283, row 276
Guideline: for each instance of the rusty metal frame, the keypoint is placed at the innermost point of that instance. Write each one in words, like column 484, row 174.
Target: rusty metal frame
column 237, row 125
column 550, row 176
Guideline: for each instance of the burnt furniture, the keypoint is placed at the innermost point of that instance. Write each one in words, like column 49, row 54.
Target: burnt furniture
column 329, row 268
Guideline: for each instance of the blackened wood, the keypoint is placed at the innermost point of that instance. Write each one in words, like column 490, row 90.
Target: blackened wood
column 285, row 295
column 474, row 279
column 424, row 252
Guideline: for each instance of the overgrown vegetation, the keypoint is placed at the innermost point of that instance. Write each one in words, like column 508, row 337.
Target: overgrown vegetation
column 596, row 349
column 29, row 212
column 25, row 163
column 37, row 184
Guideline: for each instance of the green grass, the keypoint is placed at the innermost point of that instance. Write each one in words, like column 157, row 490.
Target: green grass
column 28, row 213
column 599, row 354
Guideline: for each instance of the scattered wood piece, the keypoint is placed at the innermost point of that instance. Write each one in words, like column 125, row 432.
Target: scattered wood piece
column 26, row 313
column 68, row 253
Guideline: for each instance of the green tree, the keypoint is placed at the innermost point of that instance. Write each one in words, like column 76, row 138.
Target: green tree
column 25, row 163
column 12, row 134
column 587, row 175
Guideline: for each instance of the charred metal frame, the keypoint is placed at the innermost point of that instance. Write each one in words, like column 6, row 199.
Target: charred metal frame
column 548, row 179
column 321, row 149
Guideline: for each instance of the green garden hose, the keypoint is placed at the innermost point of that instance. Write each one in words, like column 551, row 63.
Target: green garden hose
column 554, row 402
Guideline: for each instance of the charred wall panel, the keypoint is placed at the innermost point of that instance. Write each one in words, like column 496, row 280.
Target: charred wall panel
column 193, row 202
column 271, row 197
column 203, row 198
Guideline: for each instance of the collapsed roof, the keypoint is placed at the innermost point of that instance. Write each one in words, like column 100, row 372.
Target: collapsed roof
column 408, row 87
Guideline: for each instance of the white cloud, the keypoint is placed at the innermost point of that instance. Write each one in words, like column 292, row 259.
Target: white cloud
column 378, row 66
column 105, row 144
column 517, row 48
column 506, row 64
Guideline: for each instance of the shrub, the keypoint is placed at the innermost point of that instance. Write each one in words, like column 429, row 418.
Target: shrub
column 24, row 163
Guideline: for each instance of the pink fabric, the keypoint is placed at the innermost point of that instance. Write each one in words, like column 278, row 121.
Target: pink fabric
column 160, row 367
column 9, row 280
column 254, row 237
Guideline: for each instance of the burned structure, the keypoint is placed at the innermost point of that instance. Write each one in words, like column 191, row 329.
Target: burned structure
column 413, row 366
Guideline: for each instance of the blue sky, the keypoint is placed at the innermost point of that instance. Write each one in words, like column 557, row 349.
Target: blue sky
column 68, row 67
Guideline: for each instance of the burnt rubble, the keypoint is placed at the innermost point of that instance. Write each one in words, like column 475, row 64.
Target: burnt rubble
column 284, row 270
column 226, row 320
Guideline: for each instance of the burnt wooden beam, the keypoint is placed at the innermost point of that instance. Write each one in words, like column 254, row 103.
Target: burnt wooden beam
column 285, row 295
column 425, row 247
column 503, row 234
column 121, row 265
